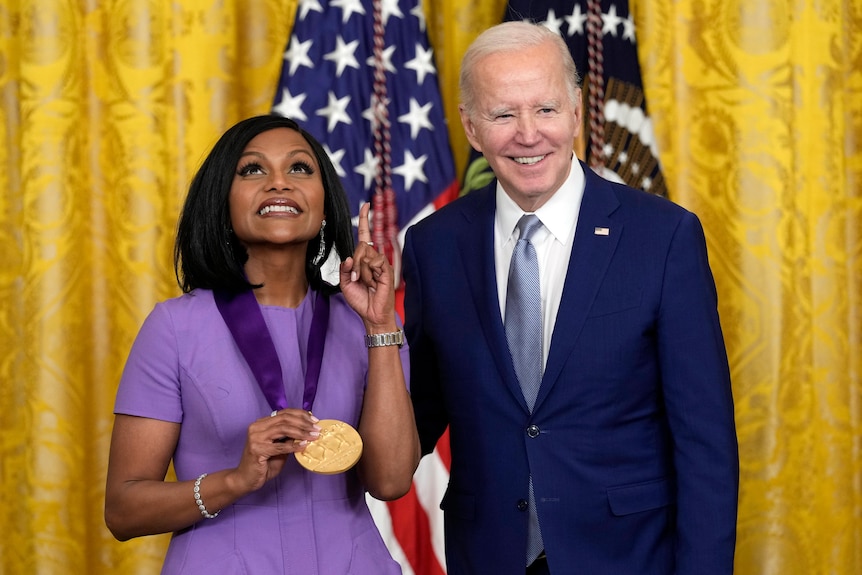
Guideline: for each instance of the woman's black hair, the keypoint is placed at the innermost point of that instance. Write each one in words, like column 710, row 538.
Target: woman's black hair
column 208, row 255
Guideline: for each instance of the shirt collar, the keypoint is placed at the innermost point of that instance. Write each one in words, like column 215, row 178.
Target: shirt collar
column 558, row 214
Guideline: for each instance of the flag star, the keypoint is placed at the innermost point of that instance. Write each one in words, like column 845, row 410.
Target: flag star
column 348, row 7
column 610, row 21
column 290, row 106
column 422, row 64
column 576, row 21
column 552, row 22
column 608, row 150
column 387, row 60
column 420, row 14
column 629, row 29
column 335, row 111
column 297, row 54
column 411, row 170
column 417, row 118
column 636, row 168
column 343, row 55
column 623, row 157
column 368, row 168
column 646, row 184
column 307, row 5
column 336, row 157
column 390, row 8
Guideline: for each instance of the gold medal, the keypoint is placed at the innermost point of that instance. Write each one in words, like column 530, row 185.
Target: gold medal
column 336, row 450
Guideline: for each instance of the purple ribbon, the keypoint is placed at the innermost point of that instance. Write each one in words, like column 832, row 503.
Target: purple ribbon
column 244, row 319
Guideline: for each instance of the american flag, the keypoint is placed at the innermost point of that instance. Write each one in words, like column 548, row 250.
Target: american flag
column 619, row 143
column 360, row 76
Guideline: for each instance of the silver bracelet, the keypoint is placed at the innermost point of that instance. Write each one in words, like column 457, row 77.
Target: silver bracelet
column 200, row 502
column 384, row 339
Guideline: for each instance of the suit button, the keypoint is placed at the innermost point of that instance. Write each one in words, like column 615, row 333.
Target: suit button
column 522, row 505
column 533, row 431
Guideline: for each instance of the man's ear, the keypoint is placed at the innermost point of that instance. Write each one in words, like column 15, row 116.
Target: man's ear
column 469, row 128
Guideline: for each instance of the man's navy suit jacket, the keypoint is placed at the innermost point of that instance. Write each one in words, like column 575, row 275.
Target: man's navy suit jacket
column 631, row 444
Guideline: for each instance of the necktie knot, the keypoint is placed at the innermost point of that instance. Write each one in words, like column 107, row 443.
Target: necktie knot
column 528, row 225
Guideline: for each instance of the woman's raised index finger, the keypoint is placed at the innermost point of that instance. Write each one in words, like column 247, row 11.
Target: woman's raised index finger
column 364, row 228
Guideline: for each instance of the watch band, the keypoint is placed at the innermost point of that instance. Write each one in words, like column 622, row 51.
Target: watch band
column 384, row 339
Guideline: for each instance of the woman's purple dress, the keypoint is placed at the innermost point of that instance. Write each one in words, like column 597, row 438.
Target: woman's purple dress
column 185, row 368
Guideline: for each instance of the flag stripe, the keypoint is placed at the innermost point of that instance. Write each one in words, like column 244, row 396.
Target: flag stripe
column 412, row 529
column 380, row 512
column 431, row 480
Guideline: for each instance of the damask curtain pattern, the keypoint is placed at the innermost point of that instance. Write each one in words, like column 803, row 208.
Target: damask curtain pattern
column 106, row 109
column 759, row 109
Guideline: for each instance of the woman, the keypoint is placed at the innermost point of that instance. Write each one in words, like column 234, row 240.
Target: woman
column 235, row 377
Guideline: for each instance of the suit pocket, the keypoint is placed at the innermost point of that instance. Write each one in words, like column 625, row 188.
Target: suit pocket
column 614, row 301
column 637, row 497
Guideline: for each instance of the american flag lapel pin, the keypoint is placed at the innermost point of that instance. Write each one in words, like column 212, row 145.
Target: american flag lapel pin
column 602, row 231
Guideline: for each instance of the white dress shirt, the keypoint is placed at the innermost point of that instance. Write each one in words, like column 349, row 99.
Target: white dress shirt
column 553, row 244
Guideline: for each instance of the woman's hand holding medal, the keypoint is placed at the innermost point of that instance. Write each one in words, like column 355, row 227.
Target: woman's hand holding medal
column 270, row 440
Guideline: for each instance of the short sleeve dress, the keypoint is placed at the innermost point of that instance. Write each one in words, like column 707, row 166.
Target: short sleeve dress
column 184, row 367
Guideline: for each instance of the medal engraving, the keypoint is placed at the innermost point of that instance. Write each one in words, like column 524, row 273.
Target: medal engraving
column 336, row 450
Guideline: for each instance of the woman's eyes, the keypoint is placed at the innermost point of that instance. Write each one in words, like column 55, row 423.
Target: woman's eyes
column 254, row 169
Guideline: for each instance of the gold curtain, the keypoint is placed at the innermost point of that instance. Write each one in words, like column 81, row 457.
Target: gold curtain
column 107, row 107
column 758, row 111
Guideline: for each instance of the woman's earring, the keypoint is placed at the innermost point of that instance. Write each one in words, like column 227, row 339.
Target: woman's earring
column 322, row 249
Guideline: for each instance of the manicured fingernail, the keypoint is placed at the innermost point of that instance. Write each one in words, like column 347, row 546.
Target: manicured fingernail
column 354, row 276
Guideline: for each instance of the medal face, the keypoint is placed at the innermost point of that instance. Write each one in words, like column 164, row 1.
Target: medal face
column 336, row 450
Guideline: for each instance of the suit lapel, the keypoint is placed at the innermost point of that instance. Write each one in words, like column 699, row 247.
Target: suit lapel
column 476, row 245
column 591, row 254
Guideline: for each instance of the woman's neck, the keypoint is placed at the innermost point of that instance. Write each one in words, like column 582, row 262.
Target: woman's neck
column 283, row 279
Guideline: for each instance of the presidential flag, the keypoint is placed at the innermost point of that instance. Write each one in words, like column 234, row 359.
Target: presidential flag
column 360, row 76
column 618, row 140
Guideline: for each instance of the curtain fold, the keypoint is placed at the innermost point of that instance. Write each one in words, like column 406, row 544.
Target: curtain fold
column 107, row 108
column 758, row 111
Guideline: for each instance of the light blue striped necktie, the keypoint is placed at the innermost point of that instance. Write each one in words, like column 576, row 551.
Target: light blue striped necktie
column 524, row 334
column 524, row 311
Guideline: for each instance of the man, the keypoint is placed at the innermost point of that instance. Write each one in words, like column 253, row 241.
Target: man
column 624, row 459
